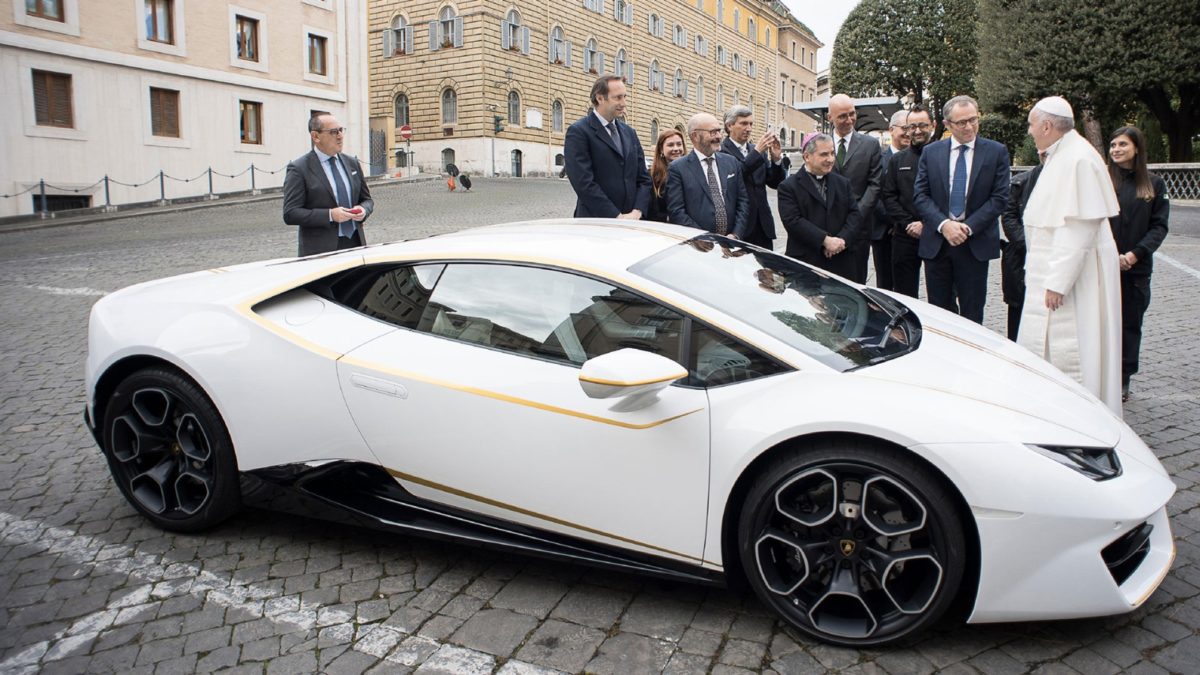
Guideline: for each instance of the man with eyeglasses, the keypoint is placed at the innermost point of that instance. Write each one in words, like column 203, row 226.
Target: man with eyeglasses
column 881, row 232
column 902, row 215
column 960, row 192
column 324, row 192
column 705, row 188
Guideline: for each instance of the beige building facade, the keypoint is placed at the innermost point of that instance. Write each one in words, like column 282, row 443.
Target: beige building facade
column 797, row 78
column 492, row 85
column 129, row 88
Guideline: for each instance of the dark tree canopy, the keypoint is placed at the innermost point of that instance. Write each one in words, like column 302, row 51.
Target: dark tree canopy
column 1108, row 58
column 897, row 47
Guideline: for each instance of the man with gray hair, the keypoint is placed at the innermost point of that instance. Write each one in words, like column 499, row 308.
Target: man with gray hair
column 881, row 231
column 1072, row 311
column 819, row 211
column 761, row 168
column 960, row 192
column 704, row 187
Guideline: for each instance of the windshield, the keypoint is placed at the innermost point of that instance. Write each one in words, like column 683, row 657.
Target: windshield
column 828, row 319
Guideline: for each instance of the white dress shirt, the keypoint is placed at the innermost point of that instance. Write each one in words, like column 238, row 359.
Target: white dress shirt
column 716, row 170
column 329, row 177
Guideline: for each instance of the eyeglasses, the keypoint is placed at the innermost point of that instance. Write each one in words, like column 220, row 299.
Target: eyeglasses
column 922, row 127
column 337, row 131
column 708, row 131
column 969, row 122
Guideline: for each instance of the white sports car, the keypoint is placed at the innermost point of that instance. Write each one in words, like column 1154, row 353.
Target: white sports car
column 641, row 397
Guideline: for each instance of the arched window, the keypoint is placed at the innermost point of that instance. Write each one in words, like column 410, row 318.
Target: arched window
column 678, row 88
column 514, row 108
column 449, row 28
column 559, row 52
column 720, row 98
column 737, row 62
column 447, row 157
column 589, row 56
column 752, row 69
column 620, row 65
column 654, row 75
column 400, row 109
column 767, row 36
column 400, row 41
column 750, row 29
column 700, row 91
column 515, row 36
column 556, row 115
column 653, row 132
column 679, row 36
column 449, row 106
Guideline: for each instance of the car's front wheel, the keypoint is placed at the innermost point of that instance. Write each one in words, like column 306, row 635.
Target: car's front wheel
column 852, row 544
column 169, row 451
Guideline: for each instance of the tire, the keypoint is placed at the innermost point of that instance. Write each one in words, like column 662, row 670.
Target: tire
column 169, row 451
column 846, row 565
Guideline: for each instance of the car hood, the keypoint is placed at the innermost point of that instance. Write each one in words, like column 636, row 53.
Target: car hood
column 968, row 361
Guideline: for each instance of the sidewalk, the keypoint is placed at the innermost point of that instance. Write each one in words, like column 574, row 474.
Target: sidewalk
column 26, row 222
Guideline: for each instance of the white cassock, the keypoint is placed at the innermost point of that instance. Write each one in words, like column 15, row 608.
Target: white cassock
column 1071, row 251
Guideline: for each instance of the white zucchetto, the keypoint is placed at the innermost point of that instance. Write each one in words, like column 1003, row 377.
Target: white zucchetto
column 1055, row 105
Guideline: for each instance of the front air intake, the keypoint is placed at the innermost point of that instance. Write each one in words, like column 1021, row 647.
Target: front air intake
column 1124, row 555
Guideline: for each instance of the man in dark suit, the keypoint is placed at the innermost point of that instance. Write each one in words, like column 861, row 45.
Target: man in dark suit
column 960, row 192
column 857, row 158
column 881, row 231
column 604, row 159
column 705, row 187
column 901, row 212
column 819, row 211
column 761, row 168
column 1012, row 248
column 325, row 192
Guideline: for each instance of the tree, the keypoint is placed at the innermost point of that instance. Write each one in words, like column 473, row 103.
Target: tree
column 1109, row 58
column 900, row 47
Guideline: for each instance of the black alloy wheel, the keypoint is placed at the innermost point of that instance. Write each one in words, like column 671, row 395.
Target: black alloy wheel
column 169, row 451
column 851, row 544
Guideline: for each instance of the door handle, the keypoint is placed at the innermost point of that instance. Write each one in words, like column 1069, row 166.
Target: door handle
column 379, row 386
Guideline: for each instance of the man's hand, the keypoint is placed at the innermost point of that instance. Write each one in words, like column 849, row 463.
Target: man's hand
column 833, row 246
column 1053, row 300
column 360, row 215
column 340, row 215
column 632, row 215
column 914, row 229
column 955, row 232
column 1127, row 260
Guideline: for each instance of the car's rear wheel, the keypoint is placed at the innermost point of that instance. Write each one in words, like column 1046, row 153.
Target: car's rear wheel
column 170, row 452
column 852, row 544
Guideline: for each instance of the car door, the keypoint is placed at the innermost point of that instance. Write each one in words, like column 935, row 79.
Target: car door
column 480, row 407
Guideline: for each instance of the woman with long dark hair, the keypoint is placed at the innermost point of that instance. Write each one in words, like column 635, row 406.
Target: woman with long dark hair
column 1139, row 229
column 670, row 147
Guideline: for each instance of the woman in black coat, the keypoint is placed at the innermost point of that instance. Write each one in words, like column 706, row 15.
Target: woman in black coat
column 1139, row 229
column 670, row 147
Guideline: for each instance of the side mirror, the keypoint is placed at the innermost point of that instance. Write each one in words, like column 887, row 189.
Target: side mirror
column 628, row 373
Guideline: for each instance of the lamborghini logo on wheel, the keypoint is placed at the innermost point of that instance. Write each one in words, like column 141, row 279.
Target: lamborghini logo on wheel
column 847, row 546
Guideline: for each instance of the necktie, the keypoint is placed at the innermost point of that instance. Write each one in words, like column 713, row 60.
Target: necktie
column 616, row 137
column 746, row 150
column 841, row 153
column 714, row 191
column 345, row 228
column 958, row 188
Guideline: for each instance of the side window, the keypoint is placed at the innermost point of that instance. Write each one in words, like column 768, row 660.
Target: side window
column 547, row 314
column 715, row 359
column 397, row 294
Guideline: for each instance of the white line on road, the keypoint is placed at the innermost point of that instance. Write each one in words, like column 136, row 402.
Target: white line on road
column 55, row 290
column 158, row 579
column 1193, row 272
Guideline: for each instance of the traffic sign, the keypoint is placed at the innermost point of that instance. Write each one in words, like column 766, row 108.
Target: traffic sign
column 406, row 132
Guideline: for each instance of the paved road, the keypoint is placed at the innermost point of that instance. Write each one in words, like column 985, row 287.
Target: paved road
column 87, row 585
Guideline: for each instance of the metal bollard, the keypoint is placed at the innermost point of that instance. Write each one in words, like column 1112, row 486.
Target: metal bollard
column 210, row 192
column 42, row 191
column 162, row 187
column 252, row 186
column 107, row 200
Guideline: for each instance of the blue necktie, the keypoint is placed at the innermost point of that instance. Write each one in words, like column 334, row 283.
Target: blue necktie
column 958, row 190
column 346, row 228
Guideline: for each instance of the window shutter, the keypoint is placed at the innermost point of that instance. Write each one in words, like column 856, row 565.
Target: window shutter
column 60, row 100
column 170, row 109
column 525, row 40
column 41, row 97
column 408, row 39
column 434, row 42
column 567, row 54
column 650, row 24
column 458, row 36
column 617, row 9
column 389, row 43
column 686, row 89
column 600, row 63
column 550, row 51
column 629, row 72
column 628, row 14
column 505, row 35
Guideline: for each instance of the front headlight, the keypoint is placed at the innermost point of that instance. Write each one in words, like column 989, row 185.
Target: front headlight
column 1095, row 463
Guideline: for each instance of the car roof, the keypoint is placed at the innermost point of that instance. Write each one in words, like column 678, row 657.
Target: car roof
column 597, row 244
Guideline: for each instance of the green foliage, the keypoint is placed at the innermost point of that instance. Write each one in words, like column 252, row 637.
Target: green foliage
column 897, row 47
column 1109, row 57
column 1010, row 131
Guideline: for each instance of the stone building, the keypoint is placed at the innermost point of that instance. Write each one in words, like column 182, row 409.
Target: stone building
column 129, row 88
column 492, row 85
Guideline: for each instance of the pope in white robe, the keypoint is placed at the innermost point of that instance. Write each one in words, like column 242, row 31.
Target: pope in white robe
column 1072, row 311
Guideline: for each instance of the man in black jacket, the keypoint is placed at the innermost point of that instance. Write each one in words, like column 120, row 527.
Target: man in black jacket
column 819, row 211
column 1012, row 249
column 761, row 169
column 898, row 201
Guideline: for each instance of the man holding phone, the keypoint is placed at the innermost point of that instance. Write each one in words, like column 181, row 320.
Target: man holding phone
column 761, row 168
column 324, row 192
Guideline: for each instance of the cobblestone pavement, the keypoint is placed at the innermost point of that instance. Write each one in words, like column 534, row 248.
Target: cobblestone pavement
column 88, row 586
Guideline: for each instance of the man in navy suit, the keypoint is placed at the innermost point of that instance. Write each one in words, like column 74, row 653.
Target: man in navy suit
column 762, row 167
column 961, row 190
column 324, row 192
column 819, row 211
column 705, row 187
column 604, row 159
